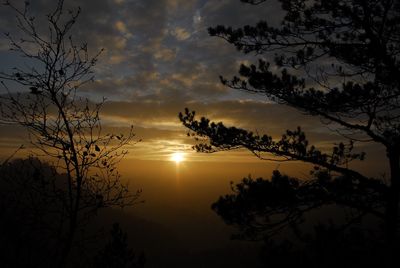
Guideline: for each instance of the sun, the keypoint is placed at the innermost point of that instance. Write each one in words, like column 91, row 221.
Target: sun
column 178, row 157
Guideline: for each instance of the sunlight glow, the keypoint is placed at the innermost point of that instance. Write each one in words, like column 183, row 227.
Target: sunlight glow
column 178, row 157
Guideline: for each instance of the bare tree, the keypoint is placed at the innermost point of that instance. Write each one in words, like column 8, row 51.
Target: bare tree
column 63, row 126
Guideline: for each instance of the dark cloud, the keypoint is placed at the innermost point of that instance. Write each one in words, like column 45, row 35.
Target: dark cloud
column 153, row 45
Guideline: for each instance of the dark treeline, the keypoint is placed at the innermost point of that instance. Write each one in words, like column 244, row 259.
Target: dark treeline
column 33, row 223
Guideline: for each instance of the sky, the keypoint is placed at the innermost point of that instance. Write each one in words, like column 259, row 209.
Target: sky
column 158, row 59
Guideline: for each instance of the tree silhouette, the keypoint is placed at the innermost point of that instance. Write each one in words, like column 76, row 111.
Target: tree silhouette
column 261, row 208
column 63, row 126
column 336, row 60
column 116, row 252
column 33, row 214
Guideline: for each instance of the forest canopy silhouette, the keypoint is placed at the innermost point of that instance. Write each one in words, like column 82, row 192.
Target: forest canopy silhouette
column 335, row 60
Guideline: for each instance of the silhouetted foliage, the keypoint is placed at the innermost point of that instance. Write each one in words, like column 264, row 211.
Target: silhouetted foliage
column 63, row 126
column 329, row 246
column 117, row 254
column 33, row 219
column 336, row 60
column 261, row 208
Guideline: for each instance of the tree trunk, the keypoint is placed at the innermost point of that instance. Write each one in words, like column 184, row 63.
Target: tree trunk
column 392, row 208
column 67, row 245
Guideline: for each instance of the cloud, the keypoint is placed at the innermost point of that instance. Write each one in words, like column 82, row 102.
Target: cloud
column 180, row 33
column 121, row 27
column 165, row 54
column 253, row 115
column 160, row 59
column 150, row 46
